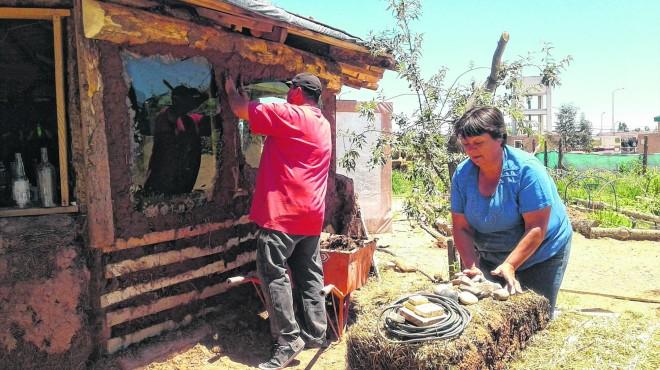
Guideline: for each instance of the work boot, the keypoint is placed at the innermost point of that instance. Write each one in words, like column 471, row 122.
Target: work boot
column 282, row 355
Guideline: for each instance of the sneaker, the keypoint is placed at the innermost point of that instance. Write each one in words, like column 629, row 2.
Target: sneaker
column 283, row 355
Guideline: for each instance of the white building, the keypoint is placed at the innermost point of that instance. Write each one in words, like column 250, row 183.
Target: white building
column 537, row 104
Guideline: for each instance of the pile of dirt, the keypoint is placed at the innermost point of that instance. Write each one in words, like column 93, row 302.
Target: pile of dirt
column 497, row 331
column 342, row 243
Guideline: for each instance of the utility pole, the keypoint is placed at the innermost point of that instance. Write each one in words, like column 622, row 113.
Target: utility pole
column 601, row 123
column 613, row 91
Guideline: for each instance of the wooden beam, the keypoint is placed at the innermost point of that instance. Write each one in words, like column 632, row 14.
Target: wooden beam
column 166, row 303
column 122, row 25
column 213, row 268
column 16, row 212
column 278, row 35
column 62, row 145
column 229, row 20
column 100, row 221
column 358, row 73
column 174, row 234
column 292, row 29
column 171, row 257
column 33, row 13
column 115, row 344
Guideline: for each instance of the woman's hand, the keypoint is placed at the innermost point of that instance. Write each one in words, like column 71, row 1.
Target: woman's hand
column 472, row 272
column 507, row 272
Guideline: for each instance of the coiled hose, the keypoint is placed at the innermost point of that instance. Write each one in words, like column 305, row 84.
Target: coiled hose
column 451, row 326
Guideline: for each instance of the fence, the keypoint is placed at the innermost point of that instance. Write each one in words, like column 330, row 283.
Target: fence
column 584, row 161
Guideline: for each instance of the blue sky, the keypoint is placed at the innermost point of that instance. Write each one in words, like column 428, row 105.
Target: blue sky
column 615, row 44
column 147, row 74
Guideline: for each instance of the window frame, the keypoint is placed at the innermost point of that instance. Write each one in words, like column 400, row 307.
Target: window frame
column 55, row 16
column 518, row 142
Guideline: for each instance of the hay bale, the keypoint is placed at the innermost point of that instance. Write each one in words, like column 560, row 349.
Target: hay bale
column 497, row 330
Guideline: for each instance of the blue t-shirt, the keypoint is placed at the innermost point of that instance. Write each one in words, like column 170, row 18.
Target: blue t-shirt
column 497, row 220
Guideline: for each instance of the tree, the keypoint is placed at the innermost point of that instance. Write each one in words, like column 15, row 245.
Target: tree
column 425, row 135
column 583, row 135
column 622, row 127
column 566, row 126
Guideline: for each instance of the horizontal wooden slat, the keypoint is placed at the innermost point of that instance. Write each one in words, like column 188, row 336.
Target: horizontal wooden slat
column 170, row 257
column 16, row 212
column 131, row 313
column 175, row 234
column 115, row 344
column 213, row 268
column 33, row 13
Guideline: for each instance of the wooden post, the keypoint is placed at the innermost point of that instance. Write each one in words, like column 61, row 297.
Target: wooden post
column 61, row 111
column 561, row 154
column 545, row 152
column 451, row 258
column 645, row 157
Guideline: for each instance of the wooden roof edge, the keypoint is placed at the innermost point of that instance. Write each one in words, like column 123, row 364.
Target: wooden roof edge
column 381, row 62
column 33, row 13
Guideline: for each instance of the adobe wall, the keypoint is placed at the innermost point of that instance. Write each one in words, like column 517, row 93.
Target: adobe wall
column 44, row 294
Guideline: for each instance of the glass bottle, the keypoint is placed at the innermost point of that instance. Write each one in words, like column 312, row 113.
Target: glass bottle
column 20, row 185
column 45, row 180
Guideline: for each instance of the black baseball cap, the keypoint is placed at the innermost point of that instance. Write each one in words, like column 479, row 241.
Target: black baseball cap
column 307, row 81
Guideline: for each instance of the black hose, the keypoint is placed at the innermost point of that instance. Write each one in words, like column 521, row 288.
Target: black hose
column 451, row 326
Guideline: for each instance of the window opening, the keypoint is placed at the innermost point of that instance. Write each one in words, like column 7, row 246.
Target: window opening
column 33, row 133
column 176, row 130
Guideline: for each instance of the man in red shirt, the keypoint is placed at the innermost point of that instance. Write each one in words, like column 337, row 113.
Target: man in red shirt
column 288, row 205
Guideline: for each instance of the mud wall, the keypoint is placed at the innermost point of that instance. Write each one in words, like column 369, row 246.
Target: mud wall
column 170, row 264
column 44, row 294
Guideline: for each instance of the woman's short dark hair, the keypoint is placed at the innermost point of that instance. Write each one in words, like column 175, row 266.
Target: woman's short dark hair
column 481, row 120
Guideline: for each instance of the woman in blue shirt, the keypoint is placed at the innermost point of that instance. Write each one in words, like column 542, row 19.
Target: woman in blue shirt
column 508, row 218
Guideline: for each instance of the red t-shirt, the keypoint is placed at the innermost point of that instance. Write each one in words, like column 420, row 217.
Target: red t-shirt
column 293, row 172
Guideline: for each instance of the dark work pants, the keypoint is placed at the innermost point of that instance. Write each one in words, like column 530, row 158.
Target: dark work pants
column 544, row 278
column 275, row 251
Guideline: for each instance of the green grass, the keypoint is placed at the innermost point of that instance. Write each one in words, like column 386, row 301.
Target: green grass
column 400, row 185
column 628, row 189
column 608, row 218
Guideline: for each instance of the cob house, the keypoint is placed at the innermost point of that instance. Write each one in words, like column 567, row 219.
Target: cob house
column 153, row 174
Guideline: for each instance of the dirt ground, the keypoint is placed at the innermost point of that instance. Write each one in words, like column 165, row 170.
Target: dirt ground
column 238, row 338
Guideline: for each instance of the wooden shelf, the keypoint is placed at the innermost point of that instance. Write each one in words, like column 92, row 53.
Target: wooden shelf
column 17, row 212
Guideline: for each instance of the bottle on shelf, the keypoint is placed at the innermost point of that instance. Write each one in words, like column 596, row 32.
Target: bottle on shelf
column 46, row 180
column 20, row 185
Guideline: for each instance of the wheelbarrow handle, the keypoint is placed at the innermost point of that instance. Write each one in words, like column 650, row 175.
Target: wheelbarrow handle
column 327, row 289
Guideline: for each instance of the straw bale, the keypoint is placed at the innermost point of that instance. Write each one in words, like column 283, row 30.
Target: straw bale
column 497, row 331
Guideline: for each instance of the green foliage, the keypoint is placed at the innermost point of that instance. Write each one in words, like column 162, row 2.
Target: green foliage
column 566, row 125
column 622, row 127
column 608, row 218
column 628, row 188
column 424, row 135
column 583, row 135
column 401, row 186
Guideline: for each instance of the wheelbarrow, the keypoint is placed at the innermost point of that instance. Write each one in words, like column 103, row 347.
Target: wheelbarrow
column 343, row 272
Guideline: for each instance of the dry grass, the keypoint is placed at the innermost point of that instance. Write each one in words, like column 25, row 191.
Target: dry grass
column 496, row 332
column 577, row 340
